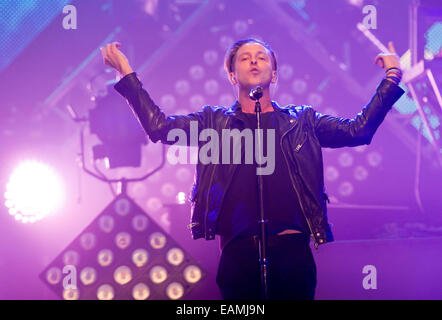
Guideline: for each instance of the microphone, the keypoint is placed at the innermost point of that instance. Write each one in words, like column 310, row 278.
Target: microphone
column 255, row 93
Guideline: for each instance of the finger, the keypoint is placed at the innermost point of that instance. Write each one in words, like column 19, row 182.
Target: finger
column 376, row 60
column 391, row 47
column 379, row 59
column 104, row 53
column 381, row 63
column 115, row 46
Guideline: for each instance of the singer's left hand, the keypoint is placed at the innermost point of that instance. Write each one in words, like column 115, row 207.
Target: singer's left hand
column 388, row 60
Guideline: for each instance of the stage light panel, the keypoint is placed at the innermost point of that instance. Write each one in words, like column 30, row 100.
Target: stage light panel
column 131, row 257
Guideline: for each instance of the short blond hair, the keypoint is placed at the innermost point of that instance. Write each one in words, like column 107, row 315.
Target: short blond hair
column 229, row 59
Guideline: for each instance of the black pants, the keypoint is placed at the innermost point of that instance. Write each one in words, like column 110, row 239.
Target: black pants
column 292, row 269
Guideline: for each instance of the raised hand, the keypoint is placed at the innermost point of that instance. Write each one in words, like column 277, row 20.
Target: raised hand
column 388, row 60
column 114, row 58
column 390, row 63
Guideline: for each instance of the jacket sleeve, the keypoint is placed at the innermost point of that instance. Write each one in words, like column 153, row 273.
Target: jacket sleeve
column 153, row 120
column 335, row 132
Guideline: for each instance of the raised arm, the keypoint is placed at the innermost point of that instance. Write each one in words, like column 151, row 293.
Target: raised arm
column 155, row 123
column 337, row 132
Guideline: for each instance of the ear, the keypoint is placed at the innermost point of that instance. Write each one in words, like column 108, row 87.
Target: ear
column 232, row 78
column 274, row 76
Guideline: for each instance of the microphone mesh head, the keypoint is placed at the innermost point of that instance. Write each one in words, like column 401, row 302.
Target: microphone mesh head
column 255, row 93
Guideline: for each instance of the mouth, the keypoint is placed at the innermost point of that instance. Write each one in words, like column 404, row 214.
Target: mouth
column 254, row 70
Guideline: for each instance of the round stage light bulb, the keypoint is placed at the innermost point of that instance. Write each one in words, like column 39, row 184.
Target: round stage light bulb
column 158, row 274
column 192, row 274
column 71, row 294
column 71, row 257
column 87, row 241
column 140, row 292
column 299, row 86
column 345, row 159
column 183, row 174
column 140, row 222
column 140, row 257
column 168, row 189
column 157, row 240
column 122, row 275
column 360, row 173
column 182, row 87
column 88, row 275
column 122, row 240
column 174, row 290
column 122, row 206
column 196, row 72
column 105, row 257
column 331, row 173
column 286, row 71
column 345, row 189
column 168, row 102
column 175, row 256
column 196, row 101
column 374, row 158
column 106, row 223
column 53, row 275
column 105, row 292
column 211, row 87
column 210, row 57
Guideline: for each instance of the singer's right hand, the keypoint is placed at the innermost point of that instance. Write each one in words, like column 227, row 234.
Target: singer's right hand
column 114, row 58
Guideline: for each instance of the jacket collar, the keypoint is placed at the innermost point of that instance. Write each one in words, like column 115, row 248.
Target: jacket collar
column 286, row 117
column 235, row 109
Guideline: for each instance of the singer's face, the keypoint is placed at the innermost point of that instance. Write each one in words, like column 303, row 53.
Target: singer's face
column 253, row 66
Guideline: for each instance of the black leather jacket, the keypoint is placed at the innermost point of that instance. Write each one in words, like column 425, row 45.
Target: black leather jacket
column 303, row 132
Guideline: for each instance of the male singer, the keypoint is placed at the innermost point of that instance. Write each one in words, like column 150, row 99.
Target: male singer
column 225, row 194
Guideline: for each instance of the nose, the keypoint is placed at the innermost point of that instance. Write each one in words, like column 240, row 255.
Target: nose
column 253, row 61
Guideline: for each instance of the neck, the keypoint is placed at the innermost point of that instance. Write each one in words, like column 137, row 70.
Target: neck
column 248, row 105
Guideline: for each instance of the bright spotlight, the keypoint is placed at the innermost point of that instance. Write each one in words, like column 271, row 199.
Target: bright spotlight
column 34, row 191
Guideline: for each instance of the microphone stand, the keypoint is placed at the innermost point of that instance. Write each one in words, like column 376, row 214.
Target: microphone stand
column 263, row 260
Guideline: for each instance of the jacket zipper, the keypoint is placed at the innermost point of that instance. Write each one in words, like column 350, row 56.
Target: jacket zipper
column 293, row 184
column 299, row 146
column 191, row 225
